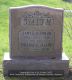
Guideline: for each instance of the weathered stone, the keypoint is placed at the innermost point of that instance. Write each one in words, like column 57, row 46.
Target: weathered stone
column 36, row 31
column 36, row 43
column 13, row 67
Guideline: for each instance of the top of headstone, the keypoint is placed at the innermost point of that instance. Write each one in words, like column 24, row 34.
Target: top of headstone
column 36, row 31
column 21, row 7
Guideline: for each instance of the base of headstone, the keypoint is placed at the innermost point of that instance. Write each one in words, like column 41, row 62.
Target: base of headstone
column 35, row 67
column 35, row 78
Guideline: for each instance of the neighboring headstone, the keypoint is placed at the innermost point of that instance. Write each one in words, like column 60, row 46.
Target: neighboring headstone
column 68, row 0
column 36, row 43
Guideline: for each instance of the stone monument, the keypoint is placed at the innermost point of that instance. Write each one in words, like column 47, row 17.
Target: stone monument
column 35, row 42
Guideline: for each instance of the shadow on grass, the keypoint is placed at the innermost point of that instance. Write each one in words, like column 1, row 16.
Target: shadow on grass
column 34, row 78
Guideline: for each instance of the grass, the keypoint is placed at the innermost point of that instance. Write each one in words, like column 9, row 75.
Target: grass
column 67, row 37
column 4, row 24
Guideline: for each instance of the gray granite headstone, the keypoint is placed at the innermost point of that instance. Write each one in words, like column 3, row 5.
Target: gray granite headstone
column 36, row 31
column 35, row 43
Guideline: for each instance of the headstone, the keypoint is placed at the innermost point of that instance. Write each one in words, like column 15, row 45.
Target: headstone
column 36, row 31
column 36, row 43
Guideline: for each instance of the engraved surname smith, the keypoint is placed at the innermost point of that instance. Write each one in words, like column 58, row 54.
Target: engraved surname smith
column 36, row 18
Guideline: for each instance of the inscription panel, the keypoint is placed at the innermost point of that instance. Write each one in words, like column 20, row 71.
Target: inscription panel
column 36, row 40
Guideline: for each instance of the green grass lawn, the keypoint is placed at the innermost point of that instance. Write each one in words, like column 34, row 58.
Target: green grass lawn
column 4, row 23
